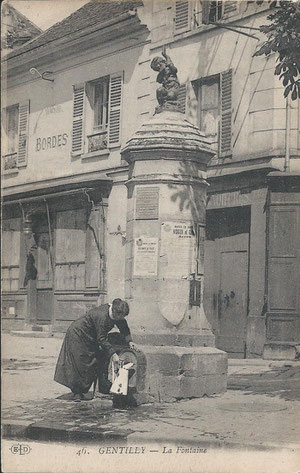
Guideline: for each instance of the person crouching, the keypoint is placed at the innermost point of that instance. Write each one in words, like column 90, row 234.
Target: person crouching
column 86, row 343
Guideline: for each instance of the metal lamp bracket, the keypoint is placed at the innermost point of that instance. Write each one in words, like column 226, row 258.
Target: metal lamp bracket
column 33, row 70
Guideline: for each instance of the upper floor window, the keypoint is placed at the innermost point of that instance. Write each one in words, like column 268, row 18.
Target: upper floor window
column 100, row 103
column 15, row 135
column 97, row 114
column 215, row 110
column 191, row 14
column 11, row 123
column 214, row 11
column 209, row 108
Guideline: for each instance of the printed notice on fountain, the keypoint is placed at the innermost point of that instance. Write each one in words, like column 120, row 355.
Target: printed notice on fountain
column 177, row 254
column 145, row 256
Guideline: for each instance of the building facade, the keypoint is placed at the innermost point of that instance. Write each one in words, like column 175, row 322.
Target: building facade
column 65, row 198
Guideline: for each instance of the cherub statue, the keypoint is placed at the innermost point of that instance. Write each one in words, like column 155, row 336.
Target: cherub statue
column 167, row 76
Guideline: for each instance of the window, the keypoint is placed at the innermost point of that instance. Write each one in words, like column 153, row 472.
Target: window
column 11, row 240
column 215, row 110
column 214, row 11
column 11, row 129
column 70, row 249
column 97, row 114
column 79, row 250
column 189, row 15
column 209, row 109
column 100, row 105
column 15, row 124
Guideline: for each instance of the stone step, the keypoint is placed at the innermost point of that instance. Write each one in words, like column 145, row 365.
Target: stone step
column 31, row 333
column 39, row 327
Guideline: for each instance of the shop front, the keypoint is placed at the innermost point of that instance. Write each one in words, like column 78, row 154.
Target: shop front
column 54, row 264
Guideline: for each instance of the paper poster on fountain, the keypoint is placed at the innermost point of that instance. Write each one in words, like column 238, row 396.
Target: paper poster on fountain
column 145, row 256
column 177, row 251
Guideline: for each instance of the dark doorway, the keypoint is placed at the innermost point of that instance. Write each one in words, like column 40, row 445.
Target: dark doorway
column 44, row 265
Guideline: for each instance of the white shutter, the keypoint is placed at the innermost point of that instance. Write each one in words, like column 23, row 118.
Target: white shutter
column 182, row 97
column 115, row 104
column 182, row 20
column 23, row 133
column 226, row 112
column 78, row 117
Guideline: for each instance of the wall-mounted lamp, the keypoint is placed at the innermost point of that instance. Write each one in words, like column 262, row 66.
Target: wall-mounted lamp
column 42, row 75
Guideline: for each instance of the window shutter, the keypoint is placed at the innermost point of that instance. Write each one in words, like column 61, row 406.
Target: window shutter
column 182, row 17
column 23, row 133
column 205, row 12
column 115, row 104
column 182, row 97
column 70, row 241
column 226, row 112
column 229, row 7
column 78, row 116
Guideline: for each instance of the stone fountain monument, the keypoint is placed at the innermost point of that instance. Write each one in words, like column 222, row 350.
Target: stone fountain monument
column 165, row 235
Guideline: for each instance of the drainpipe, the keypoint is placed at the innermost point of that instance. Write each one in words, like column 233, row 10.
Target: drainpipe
column 287, row 135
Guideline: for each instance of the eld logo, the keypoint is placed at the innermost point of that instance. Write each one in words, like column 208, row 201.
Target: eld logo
column 19, row 449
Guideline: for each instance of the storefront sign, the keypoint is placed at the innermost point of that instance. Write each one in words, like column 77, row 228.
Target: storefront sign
column 146, row 206
column 49, row 142
column 145, row 256
column 177, row 254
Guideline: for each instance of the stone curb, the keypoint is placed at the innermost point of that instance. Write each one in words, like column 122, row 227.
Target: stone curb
column 32, row 334
column 14, row 429
column 35, row 334
column 47, row 431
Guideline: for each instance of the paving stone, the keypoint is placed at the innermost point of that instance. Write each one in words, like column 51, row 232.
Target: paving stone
column 197, row 420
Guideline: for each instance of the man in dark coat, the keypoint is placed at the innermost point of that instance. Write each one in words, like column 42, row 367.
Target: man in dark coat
column 86, row 343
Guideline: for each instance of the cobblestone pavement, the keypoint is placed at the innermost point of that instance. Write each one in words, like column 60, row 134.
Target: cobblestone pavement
column 260, row 408
column 278, row 381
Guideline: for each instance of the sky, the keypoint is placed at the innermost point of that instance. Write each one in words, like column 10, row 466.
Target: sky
column 44, row 13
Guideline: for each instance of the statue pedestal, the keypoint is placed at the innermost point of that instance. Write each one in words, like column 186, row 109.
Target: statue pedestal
column 164, row 257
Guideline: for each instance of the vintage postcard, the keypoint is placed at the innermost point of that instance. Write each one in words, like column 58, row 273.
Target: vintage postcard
column 150, row 214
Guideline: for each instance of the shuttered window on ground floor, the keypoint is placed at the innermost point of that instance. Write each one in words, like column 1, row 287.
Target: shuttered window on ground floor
column 72, row 258
column 79, row 250
column 10, row 258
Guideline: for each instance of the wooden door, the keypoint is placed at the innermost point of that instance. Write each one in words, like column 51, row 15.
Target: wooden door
column 232, row 304
column 226, row 277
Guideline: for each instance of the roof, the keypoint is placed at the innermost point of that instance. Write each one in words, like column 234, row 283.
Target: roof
column 93, row 13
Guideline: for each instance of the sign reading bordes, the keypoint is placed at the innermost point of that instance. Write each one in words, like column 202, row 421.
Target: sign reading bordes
column 146, row 203
column 145, row 256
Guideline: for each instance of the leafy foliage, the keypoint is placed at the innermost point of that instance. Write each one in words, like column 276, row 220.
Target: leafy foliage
column 16, row 29
column 11, row 38
column 283, row 37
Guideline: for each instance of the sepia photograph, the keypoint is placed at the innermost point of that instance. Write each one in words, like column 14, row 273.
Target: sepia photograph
column 150, row 222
